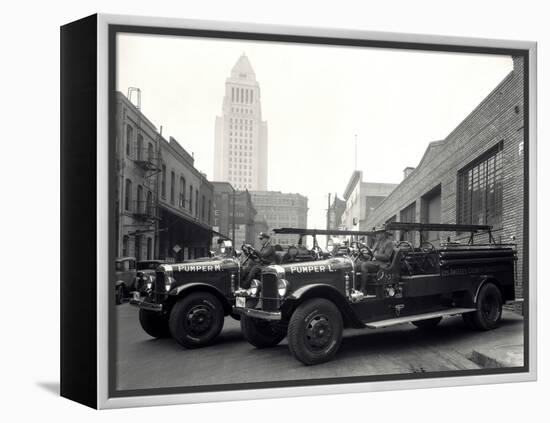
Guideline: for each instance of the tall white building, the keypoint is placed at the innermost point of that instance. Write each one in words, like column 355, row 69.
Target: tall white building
column 240, row 151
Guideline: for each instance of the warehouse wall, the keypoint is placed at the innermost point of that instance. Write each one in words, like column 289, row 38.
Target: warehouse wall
column 498, row 118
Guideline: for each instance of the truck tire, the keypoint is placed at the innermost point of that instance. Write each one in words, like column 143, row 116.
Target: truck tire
column 427, row 324
column 261, row 333
column 489, row 308
column 154, row 323
column 196, row 319
column 315, row 331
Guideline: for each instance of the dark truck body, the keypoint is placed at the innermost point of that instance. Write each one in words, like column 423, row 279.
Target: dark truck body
column 190, row 300
column 417, row 285
column 220, row 276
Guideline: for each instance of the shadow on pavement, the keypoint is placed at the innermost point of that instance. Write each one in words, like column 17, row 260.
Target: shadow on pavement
column 51, row 387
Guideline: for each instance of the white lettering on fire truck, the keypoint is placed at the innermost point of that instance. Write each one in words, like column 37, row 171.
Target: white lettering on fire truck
column 199, row 268
column 316, row 268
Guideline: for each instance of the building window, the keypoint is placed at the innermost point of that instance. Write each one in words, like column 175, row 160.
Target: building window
column 139, row 154
column 129, row 137
column 149, row 249
column 479, row 199
column 137, row 247
column 196, row 202
column 190, row 198
column 203, row 201
column 139, row 202
column 408, row 215
column 125, row 245
column 127, row 195
column 149, row 210
column 182, row 192
column 163, row 182
column 172, row 186
column 209, row 211
column 150, row 153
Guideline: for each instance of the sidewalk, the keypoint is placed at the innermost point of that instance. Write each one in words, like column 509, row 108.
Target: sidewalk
column 502, row 347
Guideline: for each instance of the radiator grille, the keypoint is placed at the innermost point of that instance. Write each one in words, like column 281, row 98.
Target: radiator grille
column 268, row 293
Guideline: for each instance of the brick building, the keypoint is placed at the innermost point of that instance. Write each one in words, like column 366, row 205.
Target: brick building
column 137, row 165
column 334, row 213
column 280, row 210
column 185, row 205
column 473, row 176
column 361, row 199
column 244, row 219
column 223, row 206
column 234, row 215
column 163, row 203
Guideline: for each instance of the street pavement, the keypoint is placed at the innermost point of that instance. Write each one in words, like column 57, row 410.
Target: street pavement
column 143, row 362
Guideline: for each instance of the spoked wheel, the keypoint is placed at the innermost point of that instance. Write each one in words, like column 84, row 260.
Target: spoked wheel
column 196, row 319
column 489, row 308
column 315, row 331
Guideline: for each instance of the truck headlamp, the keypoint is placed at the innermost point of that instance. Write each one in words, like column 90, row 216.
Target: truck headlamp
column 168, row 283
column 282, row 287
column 150, row 281
column 254, row 288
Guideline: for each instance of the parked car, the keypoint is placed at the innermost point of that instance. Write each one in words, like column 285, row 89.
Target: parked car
column 312, row 302
column 145, row 275
column 189, row 300
column 125, row 278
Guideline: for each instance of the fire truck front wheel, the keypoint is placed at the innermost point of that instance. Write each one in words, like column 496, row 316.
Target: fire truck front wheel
column 315, row 331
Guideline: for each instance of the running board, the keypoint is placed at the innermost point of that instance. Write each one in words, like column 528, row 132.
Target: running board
column 406, row 319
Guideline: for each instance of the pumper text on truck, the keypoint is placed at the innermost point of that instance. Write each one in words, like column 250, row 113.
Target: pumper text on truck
column 190, row 300
column 312, row 302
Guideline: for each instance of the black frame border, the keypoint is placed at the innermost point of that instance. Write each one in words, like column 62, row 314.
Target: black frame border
column 113, row 29
column 78, row 211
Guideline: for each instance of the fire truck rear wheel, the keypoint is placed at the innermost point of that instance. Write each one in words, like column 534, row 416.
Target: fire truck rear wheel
column 489, row 307
column 196, row 319
column 154, row 323
column 315, row 331
column 261, row 333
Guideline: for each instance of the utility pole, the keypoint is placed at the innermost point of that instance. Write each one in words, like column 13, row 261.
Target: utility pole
column 328, row 212
column 233, row 221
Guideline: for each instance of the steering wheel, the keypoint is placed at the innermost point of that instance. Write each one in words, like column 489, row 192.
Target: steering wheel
column 428, row 259
column 250, row 252
column 317, row 252
column 405, row 244
column 427, row 247
column 365, row 252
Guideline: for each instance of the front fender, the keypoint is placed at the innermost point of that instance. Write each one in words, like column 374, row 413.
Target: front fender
column 190, row 287
column 321, row 291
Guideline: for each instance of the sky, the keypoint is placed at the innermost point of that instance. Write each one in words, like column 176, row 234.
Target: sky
column 316, row 101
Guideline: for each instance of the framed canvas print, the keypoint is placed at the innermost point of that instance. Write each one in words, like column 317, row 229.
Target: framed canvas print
column 253, row 211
